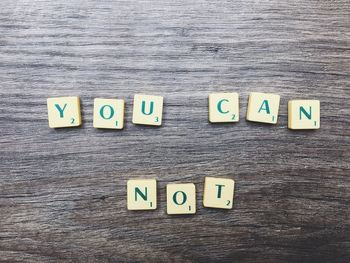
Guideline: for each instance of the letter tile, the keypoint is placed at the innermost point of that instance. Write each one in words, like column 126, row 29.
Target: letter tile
column 108, row 113
column 147, row 110
column 142, row 194
column 223, row 107
column 181, row 199
column 263, row 107
column 218, row 192
column 64, row 112
column 304, row 114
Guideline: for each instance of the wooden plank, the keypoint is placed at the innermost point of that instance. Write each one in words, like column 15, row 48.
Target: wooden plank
column 63, row 192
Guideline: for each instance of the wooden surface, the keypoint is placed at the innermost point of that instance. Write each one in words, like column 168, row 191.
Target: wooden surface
column 63, row 192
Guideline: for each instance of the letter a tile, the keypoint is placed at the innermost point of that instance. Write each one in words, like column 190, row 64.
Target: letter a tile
column 263, row 107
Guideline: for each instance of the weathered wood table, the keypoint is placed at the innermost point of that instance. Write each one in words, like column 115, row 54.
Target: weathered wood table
column 63, row 192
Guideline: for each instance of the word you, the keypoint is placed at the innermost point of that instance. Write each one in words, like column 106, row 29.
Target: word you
column 148, row 110
column 181, row 198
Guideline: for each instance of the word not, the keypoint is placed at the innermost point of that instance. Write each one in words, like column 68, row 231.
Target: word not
column 181, row 198
column 148, row 110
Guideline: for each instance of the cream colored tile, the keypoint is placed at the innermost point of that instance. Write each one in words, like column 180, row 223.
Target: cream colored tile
column 304, row 114
column 64, row 112
column 142, row 194
column 263, row 107
column 108, row 113
column 218, row 192
column 181, row 198
column 148, row 110
column 223, row 107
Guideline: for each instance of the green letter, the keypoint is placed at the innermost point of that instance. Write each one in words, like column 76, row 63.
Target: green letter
column 219, row 106
column 184, row 198
column 60, row 109
column 111, row 112
column 302, row 110
column 267, row 107
column 220, row 186
column 143, row 195
column 144, row 108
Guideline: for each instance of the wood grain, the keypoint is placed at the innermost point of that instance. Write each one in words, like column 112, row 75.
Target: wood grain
column 63, row 192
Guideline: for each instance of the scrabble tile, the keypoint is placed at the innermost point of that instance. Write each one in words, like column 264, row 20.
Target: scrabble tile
column 181, row 199
column 223, row 107
column 147, row 110
column 64, row 112
column 142, row 194
column 263, row 107
column 218, row 192
column 108, row 113
column 303, row 114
